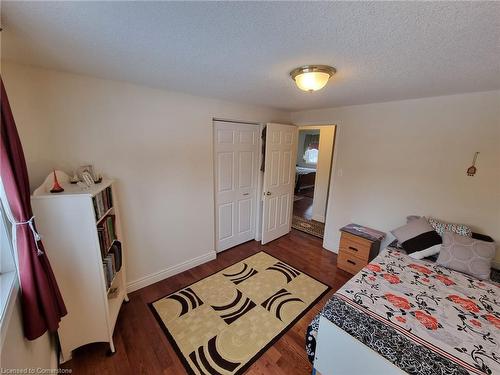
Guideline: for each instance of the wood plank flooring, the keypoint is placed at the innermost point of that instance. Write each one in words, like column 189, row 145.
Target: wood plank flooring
column 303, row 207
column 142, row 348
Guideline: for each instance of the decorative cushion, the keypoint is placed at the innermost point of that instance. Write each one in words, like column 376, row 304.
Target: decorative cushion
column 417, row 235
column 440, row 227
column 467, row 255
column 433, row 250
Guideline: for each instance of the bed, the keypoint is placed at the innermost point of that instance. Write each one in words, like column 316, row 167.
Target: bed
column 304, row 178
column 401, row 315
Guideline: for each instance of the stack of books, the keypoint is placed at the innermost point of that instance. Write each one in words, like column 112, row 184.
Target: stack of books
column 111, row 251
column 109, row 270
column 106, row 233
column 112, row 263
column 102, row 201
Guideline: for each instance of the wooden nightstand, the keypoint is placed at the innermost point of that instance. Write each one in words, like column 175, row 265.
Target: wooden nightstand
column 358, row 246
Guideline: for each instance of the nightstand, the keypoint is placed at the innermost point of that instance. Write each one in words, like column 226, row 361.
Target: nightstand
column 358, row 246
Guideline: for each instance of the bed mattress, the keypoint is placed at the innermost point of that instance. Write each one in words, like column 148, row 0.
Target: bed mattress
column 423, row 318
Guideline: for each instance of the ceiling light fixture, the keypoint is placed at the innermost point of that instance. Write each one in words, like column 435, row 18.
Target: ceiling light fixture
column 312, row 77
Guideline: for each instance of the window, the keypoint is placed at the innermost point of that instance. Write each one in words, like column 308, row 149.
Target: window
column 311, row 148
column 6, row 261
column 8, row 281
column 311, row 156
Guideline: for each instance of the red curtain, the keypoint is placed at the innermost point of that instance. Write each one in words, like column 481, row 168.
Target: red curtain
column 41, row 300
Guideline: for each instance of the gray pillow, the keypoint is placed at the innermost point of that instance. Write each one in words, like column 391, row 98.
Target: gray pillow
column 417, row 235
column 412, row 229
column 467, row 255
column 411, row 218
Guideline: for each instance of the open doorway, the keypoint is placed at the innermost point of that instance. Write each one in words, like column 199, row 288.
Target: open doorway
column 312, row 178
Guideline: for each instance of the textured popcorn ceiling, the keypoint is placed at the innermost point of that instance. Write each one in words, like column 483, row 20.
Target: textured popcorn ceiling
column 243, row 51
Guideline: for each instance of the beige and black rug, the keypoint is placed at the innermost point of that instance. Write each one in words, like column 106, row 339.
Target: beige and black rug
column 224, row 322
column 308, row 226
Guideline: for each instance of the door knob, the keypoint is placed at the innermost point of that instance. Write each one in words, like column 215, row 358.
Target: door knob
column 268, row 193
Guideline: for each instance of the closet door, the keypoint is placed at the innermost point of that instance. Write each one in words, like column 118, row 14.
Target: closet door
column 236, row 148
column 279, row 181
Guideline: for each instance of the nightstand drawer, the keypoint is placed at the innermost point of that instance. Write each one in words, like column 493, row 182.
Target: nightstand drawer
column 356, row 246
column 350, row 263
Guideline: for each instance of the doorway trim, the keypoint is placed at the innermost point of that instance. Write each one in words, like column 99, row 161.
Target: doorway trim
column 328, row 177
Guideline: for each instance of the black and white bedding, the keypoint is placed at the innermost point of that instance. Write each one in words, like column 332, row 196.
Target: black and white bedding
column 423, row 318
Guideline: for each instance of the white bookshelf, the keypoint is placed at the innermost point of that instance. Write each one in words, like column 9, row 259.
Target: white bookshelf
column 68, row 226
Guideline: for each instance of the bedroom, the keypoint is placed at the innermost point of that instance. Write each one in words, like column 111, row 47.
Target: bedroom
column 134, row 88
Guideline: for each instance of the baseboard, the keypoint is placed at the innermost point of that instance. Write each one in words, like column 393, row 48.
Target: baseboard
column 170, row 271
column 320, row 218
column 330, row 247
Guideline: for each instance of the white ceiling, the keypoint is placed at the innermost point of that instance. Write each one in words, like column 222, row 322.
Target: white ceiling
column 243, row 51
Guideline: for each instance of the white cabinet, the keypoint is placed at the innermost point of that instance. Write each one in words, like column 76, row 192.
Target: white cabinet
column 68, row 224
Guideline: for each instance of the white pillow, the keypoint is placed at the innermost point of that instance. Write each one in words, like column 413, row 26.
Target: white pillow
column 433, row 250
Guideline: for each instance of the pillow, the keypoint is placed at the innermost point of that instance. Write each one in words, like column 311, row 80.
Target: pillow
column 441, row 226
column 395, row 245
column 417, row 235
column 433, row 250
column 467, row 255
column 411, row 218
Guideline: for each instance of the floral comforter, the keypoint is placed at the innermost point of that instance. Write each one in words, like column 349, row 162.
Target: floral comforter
column 424, row 318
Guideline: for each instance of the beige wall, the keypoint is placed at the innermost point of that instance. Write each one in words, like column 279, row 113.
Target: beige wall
column 156, row 143
column 410, row 157
column 322, row 181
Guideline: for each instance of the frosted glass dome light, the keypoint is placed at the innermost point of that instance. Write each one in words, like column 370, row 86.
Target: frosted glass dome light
column 312, row 77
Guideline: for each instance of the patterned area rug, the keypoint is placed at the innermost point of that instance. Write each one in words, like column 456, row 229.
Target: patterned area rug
column 309, row 226
column 224, row 322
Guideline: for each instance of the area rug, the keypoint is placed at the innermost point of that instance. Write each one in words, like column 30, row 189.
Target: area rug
column 309, row 226
column 224, row 322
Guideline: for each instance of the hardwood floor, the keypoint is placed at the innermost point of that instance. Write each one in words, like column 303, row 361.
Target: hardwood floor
column 303, row 207
column 142, row 348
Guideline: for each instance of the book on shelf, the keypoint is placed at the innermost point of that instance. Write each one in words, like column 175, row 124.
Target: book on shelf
column 116, row 250
column 106, row 233
column 112, row 263
column 110, row 225
column 102, row 246
column 102, row 202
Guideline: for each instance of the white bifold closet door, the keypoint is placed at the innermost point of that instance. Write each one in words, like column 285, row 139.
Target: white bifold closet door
column 236, row 154
column 279, row 180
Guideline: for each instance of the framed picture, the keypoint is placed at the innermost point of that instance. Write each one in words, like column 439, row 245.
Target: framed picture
column 85, row 169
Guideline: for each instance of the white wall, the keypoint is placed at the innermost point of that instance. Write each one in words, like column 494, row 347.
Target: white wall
column 323, row 168
column 19, row 353
column 156, row 143
column 409, row 157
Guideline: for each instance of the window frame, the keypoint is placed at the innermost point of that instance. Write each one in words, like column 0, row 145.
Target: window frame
column 9, row 284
